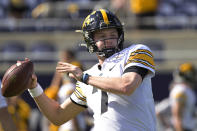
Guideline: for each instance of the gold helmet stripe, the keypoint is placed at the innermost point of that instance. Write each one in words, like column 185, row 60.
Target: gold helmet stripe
column 104, row 14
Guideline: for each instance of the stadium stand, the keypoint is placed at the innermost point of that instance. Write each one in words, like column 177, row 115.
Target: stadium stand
column 176, row 14
column 12, row 51
column 43, row 51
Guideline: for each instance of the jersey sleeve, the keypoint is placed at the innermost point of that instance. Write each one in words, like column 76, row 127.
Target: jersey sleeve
column 78, row 96
column 141, row 56
column 178, row 96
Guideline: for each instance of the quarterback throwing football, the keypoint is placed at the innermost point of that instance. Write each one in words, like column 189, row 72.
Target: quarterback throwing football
column 118, row 89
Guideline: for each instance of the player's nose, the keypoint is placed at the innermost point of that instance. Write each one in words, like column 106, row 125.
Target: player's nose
column 109, row 43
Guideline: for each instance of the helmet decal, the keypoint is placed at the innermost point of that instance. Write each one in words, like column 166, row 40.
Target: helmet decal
column 87, row 20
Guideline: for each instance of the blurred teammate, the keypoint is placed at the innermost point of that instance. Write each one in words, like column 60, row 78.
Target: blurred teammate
column 118, row 89
column 61, row 88
column 66, row 89
column 183, row 99
column 6, row 121
column 68, row 56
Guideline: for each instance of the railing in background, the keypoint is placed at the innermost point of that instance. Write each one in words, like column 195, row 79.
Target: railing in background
column 60, row 24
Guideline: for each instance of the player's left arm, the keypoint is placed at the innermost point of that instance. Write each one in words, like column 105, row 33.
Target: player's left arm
column 125, row 84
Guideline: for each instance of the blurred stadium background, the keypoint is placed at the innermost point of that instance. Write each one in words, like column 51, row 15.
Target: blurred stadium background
column 40, row 29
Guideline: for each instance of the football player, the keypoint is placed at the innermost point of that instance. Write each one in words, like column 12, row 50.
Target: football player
column 183, row 98
column 118, row 89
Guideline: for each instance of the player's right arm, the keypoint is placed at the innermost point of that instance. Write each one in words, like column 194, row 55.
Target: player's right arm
column 178, row 104
column 56, row 113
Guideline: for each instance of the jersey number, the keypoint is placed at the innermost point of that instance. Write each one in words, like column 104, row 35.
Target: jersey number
column 104, row 102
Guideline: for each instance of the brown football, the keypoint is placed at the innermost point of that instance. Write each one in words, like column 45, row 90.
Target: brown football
column 15, row 79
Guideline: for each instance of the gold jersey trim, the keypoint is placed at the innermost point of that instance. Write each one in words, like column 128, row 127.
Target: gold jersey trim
column 78, row 93
column 142, row 56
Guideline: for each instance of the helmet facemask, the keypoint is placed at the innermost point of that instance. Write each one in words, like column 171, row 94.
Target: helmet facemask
column 107, row 51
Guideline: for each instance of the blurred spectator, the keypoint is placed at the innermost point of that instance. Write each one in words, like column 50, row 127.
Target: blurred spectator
column 20, row 8
column 69, row 10
column 64, row 9
column 144, row 10
column 14, row 11
column 20, row 112
column 181, row 101
column 17, row 9
column 6, row 121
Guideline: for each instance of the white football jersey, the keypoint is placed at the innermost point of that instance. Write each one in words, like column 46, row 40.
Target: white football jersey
column 180, row 92
column 113, row 112
column 2, row 100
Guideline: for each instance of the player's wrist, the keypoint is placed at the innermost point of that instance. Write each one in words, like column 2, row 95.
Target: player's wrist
column 85, row 78
column 35, row 92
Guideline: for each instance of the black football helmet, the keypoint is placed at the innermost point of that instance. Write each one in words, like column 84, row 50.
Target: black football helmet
column 186, row 72
column 97, row 20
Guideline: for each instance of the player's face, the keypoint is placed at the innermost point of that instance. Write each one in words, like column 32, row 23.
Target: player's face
column 106, row 38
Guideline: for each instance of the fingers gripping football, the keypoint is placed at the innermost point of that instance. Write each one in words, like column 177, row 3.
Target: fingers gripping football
column 16, row 78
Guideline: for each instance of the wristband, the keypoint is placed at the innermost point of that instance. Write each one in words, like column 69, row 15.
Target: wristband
column 36, row 91
column 85, row 78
